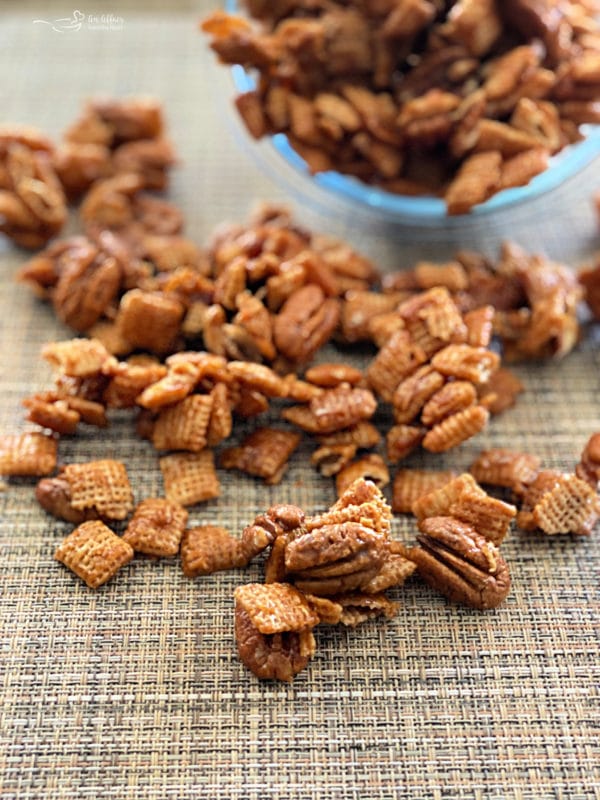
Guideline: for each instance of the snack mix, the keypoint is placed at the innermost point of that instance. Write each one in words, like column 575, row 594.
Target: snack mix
column 218, row 350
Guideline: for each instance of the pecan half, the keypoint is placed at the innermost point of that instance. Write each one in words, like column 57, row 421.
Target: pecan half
column 454, row 559
column 305, row 322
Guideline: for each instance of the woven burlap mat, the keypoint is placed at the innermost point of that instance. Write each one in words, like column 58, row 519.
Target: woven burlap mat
column 135, row 691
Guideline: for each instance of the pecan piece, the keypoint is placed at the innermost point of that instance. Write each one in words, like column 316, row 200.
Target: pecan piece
column 588, row 468
column 460, row 563
column 414, row 392
column 334, row 558
column 342, row 407
column 54, row 496
column 305, row 322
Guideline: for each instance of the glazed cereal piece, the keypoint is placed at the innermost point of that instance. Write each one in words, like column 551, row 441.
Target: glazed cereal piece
column 184, row 425
column 78, row 358
column 56, row 415
column 506, row 468
column 437, row 502
column 396, row 360
column 544, row 481
column 414, row 392
column 264, row 453
column 411, row 484
column 102, row 486
column 303, row 418
column 94, row 553
column 364, row 435
column 361, row 308
column 362, row 502
column 453, row 397
column 433, row 320
column 489, row 516
column 156, row 527
column 179, row 382
column 588, row 468
column 129, row 379
column 150, row 320
column 500, row 391
column 480, row 326
column 330, row 459
column 360, row 607
column 401, row 440
column 190, row 478
column 328, row 611
column 456, row 429
column 298, row 390
column 342, row 407
column 396, row 569
column 463, row 362
column 249, row 403
column 330, row 375
column 220, row 422
column 370, row 467
column 209, row 548
column 451, row 276
column 571, row 506
column 27, row 454
column 477, row 179
column 273, row 630
column 257, row 377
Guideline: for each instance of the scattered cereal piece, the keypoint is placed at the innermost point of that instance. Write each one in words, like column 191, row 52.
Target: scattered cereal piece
column 78, row 358
column 100, row 485
column 571, row 506
column 209, row 548
column 27, row 454
column 507, row 468
column 371, row 467
column 190, row 478
column 456, row 429
column 264, row 453
column 184, row 425
column 156, row 527
column 275, row 608
column 94, row 553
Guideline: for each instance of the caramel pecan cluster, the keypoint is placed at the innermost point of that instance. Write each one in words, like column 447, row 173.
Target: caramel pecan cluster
column 330, row 568
column 113, row 136
column 528, row 301
column 460, row 99
column 265, row 292
column 460, row 530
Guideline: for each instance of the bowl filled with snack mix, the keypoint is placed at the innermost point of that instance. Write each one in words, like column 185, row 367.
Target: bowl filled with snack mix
column 415, row 108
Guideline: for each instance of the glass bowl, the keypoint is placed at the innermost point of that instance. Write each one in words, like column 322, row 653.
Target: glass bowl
column 426, row 210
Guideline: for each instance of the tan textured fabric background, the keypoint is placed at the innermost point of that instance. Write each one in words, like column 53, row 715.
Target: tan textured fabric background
column 134, row 691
